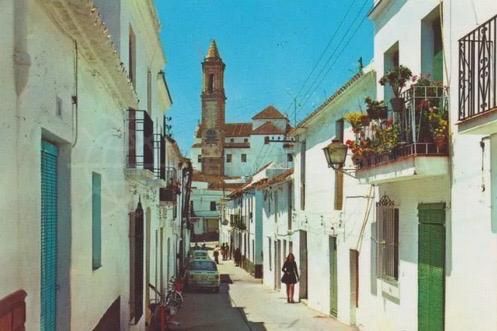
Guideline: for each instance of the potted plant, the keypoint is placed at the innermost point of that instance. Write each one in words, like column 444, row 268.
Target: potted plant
column 440, row 128
column 397, row 79
column 376, row 109
column 355, row 120
column 386, row 138
column 365, row 120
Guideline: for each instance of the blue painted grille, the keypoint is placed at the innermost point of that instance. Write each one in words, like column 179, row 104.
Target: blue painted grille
column 48, row 295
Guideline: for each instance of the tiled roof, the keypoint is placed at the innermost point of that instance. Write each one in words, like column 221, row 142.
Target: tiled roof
column 268, row 128
column 212, row 52
column 334, row 96
column 236, row 145
column 233, row 130
column 237, row 129
column 214, row 182
column 269, row 112
column 281, row 178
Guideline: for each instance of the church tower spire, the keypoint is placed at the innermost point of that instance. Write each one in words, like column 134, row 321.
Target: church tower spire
column 213, row 105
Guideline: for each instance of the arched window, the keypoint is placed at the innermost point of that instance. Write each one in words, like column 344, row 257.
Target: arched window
column 210, row 83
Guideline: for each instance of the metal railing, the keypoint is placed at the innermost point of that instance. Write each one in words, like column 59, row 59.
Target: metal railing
column 478, row 71
column 140, row 140
column 415, row 131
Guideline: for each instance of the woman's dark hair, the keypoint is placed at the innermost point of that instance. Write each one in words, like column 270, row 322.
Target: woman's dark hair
column 290, row 255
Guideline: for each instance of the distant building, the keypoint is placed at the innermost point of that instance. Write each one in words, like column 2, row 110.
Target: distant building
column 224, row 154
column 235, row 149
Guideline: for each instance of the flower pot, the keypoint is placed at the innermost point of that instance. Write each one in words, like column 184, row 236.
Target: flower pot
column 398, row 104
column 383, row 113
column 365, row 120
column 440, row 141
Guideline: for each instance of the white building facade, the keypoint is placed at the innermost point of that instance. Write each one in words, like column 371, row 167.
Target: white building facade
column 84, row 174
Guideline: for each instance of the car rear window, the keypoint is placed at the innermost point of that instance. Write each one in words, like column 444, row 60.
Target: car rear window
column 200, row 253
column 203, row 265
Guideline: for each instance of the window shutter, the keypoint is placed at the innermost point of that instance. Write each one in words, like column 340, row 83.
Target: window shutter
column 379, row 242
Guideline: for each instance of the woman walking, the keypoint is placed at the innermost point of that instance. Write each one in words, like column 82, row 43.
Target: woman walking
column 290, row 276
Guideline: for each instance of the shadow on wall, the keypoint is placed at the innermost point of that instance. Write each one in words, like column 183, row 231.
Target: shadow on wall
column 392, row 8
column 206, row 311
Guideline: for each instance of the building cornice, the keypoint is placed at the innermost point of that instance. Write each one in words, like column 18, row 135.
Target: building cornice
column 378, row 9
column 82, row 22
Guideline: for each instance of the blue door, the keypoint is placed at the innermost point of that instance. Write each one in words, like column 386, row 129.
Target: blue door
column 48, row 295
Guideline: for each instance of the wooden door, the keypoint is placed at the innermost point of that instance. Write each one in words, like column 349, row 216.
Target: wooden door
column 333, row 277
column 303, row 265
column 431, row 267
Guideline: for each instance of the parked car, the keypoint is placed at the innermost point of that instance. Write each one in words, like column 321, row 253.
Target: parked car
column 202, row 274
column 199, row 255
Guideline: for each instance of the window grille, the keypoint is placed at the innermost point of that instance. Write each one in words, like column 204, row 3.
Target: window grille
column 387, row 239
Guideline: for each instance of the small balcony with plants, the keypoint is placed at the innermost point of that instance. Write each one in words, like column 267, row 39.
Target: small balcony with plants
column 407, row 141
column 478, row 80
column 168, row 194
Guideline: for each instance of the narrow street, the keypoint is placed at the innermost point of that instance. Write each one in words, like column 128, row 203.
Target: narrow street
column 244, row 304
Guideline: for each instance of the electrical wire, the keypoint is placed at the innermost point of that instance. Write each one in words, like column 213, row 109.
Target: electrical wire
column 330, row 41
column 320, row 78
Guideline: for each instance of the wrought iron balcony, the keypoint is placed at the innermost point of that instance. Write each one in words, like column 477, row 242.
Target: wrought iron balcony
column 140, row 140
column 169, row 193
column 478, row 74
column 420, row 139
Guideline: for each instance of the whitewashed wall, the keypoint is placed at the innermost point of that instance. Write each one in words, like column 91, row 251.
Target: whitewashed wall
column 469, row 281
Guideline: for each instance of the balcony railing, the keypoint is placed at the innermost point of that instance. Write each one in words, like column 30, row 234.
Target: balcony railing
column 170, row 192
column 140, row 140
column 425, row 107
column 477, row 70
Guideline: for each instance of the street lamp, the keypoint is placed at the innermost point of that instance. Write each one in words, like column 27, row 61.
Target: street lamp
column 335, row 154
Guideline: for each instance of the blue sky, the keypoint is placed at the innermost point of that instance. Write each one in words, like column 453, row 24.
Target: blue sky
column 270, row 48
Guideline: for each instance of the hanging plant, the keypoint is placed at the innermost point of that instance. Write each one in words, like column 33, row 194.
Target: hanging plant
column 397, row 79
column 376, row 109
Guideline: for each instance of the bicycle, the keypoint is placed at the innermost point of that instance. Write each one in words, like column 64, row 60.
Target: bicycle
column 174, row 296
column 162, row 312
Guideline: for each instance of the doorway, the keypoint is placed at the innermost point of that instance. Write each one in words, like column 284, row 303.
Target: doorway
column 303, row 265
column 333, row 276
column 354, row 284
column 49, row 220
column 431, row 267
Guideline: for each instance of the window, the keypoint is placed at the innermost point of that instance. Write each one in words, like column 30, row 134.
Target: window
column 245, row 140
column 199, row 158
column 132, row 56
column 213, row 206
column 232, row 140
column 244, row 157
column 96, row 229
column 391, row 61
column 228, row 158
column 289, row 157
column 210, row 83
column 387, row 232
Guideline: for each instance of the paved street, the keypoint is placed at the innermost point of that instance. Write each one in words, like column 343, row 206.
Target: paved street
column 246, row 305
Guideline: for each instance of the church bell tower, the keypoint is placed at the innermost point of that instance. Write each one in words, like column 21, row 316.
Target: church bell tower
column 213, row 103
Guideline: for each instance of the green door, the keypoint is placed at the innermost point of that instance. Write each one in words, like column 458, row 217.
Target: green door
column 48, row 291
column 333, row 277
column 431, row 267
